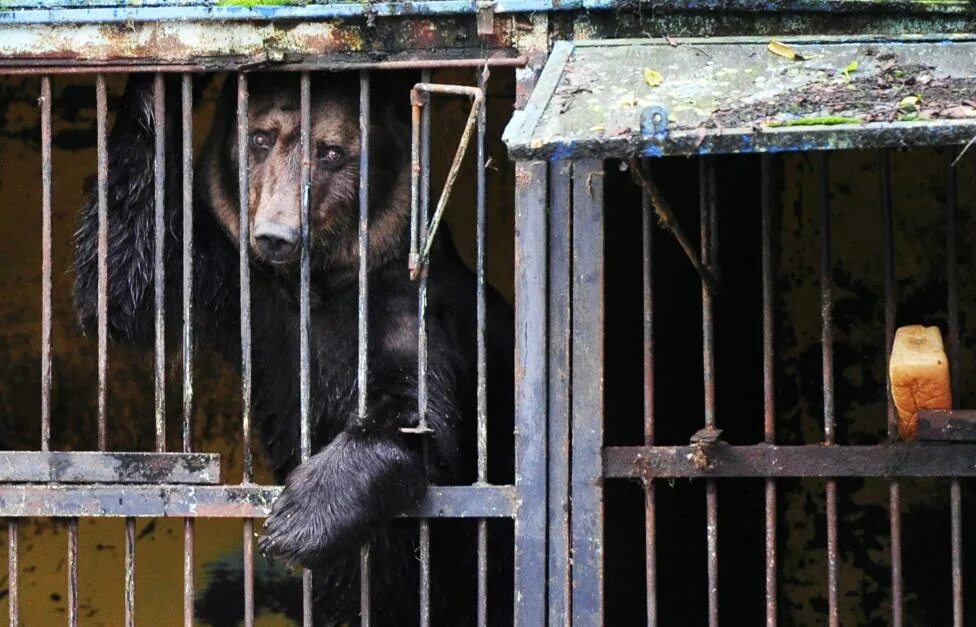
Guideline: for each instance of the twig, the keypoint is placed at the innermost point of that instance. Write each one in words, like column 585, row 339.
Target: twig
column 964, row 149
column 668, row 222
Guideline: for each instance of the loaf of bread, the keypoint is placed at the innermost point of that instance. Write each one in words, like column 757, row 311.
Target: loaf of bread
column 919, row 375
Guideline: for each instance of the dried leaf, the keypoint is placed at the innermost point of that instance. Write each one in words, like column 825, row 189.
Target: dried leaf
column 671, row 41
column 599, row 128
column 652, row 77
column 787, row 52
column 909, row 103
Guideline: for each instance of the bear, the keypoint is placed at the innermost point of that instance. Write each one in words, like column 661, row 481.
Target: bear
column 363, row 472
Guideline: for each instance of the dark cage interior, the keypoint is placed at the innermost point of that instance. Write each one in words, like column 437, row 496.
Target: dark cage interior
column 119, row 567
column 899, row 232
column 923, row 189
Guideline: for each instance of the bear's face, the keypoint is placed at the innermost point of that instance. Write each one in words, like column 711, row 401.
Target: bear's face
column 275, row 169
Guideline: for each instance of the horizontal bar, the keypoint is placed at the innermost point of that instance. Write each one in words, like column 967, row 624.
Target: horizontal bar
column 98, row 467
column 939, row 425
column 224, row 501
column 195, row 46
column 212, row 11
column 750, row 141
column 899, row 459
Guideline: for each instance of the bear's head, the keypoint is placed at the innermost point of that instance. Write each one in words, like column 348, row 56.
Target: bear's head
column 275, row 168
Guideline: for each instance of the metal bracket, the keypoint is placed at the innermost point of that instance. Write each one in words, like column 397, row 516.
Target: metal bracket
column 422, row 232
column 654, row 122
column 486, row 17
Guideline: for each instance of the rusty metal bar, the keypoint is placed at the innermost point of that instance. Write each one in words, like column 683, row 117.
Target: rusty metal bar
column 187, row 145
column 159, row 276
column 188, row 580
column 420, row 251
column 97, row 467
column 894, row 488
column 650, row 514
column 482, row 436
column 244, row 227
column 362, row 371
column 46, row 175
column 955, row 497
column 130, row 572
column 13, row 572
column 827, row 341
column 888, row 461
column 101, row 99
column 952, row 283
column 73, row 572
column 587, row 418
column 422, row 233
column 30, row 67
column 304, row 372
column 46, row 310
column 244, row 224
column 769, row 389
column 709, row 240
column 248, row 572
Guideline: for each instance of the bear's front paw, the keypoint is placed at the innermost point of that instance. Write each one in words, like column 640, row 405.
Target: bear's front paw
column 307, row 526
column 336, row 500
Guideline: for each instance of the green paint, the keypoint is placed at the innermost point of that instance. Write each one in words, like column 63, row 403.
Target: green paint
column 260, row 3
column 824, row 120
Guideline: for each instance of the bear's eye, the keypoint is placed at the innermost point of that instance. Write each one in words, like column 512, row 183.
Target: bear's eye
column 331, row 156
column 261, row 140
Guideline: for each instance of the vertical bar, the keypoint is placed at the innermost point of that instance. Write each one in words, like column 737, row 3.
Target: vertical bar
column 955, row 490
column 650, row 514
column 101, row 116
column 72, row 572
column 159, row 282
column 245, row 296
column 13, row 572
column 304, row 309
column 46, row 176
column 188, row 531
column 709, row 239
column 894, row 487
column 560, row 346
column 482, row 354
column 363, row 363
column 130, row 572
column 424, row 197
column 827, row 341
column 769, row 395
column 588, row 361
column 530, row 391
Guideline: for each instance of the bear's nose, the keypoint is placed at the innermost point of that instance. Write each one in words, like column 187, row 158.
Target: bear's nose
column 276, row 242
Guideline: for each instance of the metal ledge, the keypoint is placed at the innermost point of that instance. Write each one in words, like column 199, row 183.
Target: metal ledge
column 102, row 467
column 814, row 460
column 116, row 11
column 622, row 98
column 244, row 501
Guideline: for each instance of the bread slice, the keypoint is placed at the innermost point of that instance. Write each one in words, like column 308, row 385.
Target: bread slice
column 919, row 375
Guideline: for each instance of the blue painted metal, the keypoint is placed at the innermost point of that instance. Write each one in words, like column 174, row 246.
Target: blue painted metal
column 220, row 501
column 560, row 364
column 654, row 122
column 106, row 11
column 530, row 393
column 587, row 388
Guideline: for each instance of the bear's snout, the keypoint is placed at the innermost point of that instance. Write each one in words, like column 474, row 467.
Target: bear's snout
column 275, row 242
